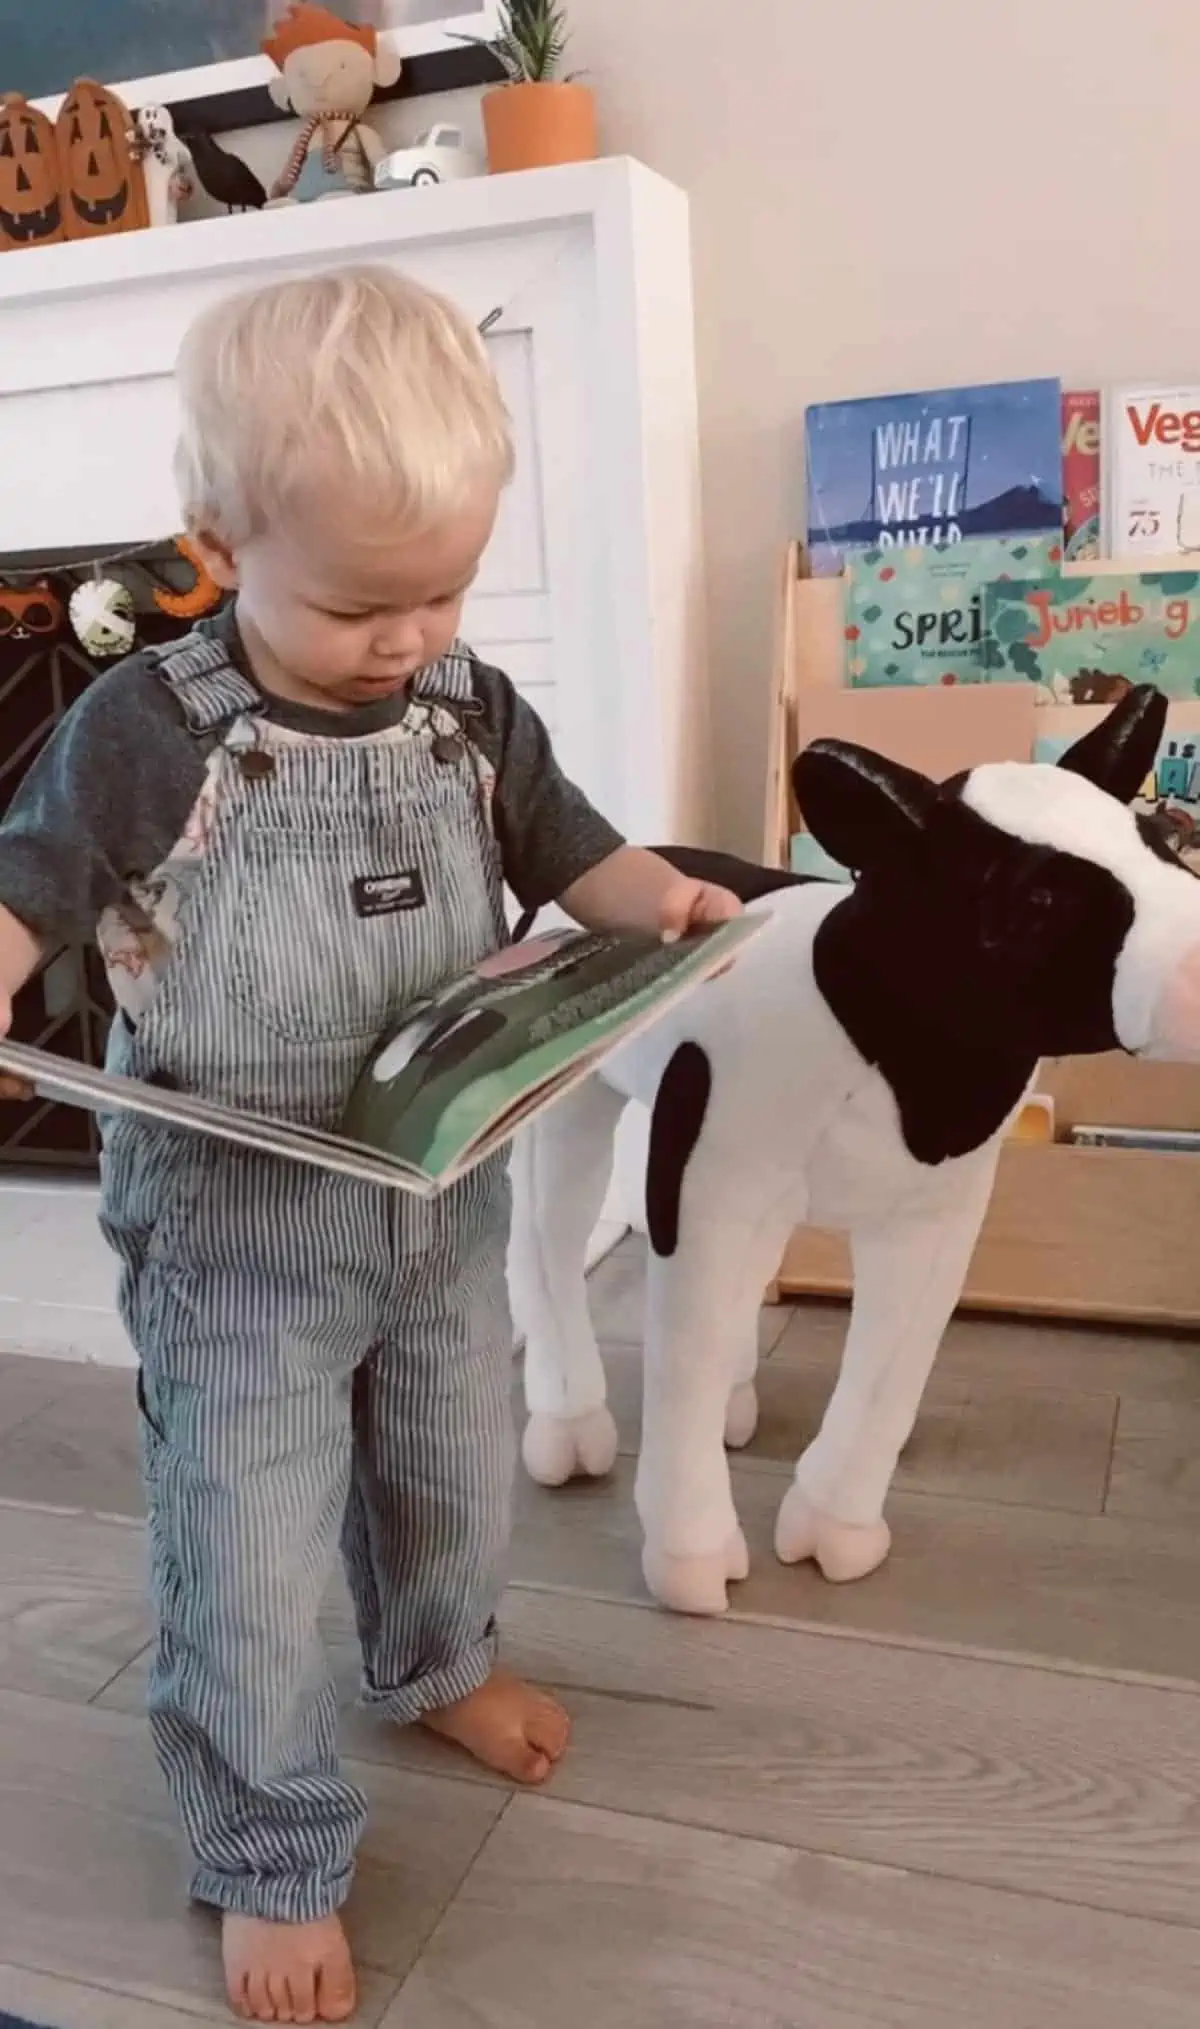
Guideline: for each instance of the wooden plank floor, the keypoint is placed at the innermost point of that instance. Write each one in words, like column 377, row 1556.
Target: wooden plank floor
column 966, row 1790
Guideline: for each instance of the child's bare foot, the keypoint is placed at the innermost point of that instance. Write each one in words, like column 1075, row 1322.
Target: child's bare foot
column 288, row 1972
column 508, row 1726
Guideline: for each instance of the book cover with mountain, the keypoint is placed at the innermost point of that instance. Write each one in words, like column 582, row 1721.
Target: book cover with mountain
column 1085, row 640
column 893, row 471
column 1081, row 474
column 917, row 615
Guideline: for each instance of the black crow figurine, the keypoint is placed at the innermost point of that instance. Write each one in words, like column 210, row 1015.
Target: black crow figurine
column 227, row 179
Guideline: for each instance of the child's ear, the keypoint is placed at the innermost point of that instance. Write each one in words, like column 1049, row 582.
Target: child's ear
column 387, row 68
column 218, row 558
column 280, row 96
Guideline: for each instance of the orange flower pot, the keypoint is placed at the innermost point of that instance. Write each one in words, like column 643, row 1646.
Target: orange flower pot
column 535, row 126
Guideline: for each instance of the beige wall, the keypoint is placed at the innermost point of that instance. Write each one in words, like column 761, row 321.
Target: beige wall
column 867, row 216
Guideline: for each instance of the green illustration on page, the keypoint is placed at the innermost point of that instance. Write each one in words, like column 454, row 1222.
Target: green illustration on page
column 461, row 1071
column 450, row 1076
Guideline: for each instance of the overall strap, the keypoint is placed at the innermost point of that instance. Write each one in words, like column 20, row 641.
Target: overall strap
column 449, row 681
column 208, row 687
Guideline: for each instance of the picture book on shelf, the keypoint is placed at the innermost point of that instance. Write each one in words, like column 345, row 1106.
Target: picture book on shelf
column 1171, row 792
column 1085, row 639
column 1158, row 1140
column 892, row 471
column 1152, row 471
column 916, row 615
column 461, row 1071
column 1081, row 474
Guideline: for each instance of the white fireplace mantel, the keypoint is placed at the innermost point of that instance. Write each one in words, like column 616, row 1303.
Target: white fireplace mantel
column 591, row 595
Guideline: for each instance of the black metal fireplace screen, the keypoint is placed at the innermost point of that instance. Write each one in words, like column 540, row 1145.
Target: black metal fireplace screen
column 44, row 667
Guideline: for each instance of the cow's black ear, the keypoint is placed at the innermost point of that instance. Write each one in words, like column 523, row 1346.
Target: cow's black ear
column 1119, row 753
column 862, row 809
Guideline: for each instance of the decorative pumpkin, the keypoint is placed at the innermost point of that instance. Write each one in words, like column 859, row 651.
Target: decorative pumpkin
column 200, row 597
column 30, row 201
column 27, row 611
column 103, row 187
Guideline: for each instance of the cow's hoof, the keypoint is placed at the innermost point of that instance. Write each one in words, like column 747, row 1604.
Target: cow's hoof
column 840, row 1552
column 741, row 1416
column 696, row 1584
column 560, row 1448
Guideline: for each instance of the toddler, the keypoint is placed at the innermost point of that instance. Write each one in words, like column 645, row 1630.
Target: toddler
column 319, row 1359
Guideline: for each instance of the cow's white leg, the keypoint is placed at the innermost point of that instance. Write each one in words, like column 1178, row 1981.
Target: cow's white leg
column 561, row 1169
column 702, row 1313
column 908, row 1276
column 741, row 1409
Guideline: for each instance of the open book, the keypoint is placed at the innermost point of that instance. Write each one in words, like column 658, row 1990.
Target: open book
column 461, row 1071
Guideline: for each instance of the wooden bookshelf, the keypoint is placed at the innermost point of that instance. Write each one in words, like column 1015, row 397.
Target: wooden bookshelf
column 1080, row 1233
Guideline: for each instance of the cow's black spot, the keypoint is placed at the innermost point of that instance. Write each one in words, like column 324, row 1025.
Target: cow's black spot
column 953, row 975
column 675, row 1125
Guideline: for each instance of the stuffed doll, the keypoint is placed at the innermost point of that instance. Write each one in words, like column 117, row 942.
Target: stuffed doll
column 328, row 71
column 856, row 1070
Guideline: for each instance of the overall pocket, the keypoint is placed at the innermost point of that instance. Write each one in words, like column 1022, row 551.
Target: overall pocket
column 335, row 932
column 306, row 963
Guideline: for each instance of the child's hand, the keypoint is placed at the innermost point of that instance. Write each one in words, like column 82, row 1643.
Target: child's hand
column 636, row 890
column 695, row 905
column 10, row 1088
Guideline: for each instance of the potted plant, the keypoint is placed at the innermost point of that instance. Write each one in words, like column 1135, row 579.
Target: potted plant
column 538, row 116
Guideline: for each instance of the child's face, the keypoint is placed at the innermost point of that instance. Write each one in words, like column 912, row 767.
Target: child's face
column 334, row 617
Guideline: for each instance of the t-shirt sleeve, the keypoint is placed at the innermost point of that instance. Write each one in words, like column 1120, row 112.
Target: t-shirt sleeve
column 102, row 805
column 549, row 833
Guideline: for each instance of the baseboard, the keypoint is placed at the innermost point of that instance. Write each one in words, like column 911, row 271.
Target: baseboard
column 58, row 1279
column 50, row 1240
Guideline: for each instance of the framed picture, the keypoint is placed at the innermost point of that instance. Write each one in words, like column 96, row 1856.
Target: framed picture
column 201, row 58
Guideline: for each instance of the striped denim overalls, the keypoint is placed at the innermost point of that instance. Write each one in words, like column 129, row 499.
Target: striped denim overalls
column 318, row 1357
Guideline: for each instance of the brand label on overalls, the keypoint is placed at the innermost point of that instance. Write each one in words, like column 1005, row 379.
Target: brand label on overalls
column 387, row 894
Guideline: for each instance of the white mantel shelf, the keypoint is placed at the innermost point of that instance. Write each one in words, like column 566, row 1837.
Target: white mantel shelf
column 341, row 229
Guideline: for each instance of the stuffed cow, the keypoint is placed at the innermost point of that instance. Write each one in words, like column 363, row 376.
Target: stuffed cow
column 856, row 1070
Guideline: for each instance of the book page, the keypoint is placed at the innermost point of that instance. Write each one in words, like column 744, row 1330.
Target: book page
column 459, row 1074
column 494, row 1044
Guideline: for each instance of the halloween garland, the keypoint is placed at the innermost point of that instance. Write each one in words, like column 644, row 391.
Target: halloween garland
column 105, row 610
column 30, row 611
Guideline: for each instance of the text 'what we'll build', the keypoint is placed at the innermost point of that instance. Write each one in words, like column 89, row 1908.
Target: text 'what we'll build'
column 919, row 478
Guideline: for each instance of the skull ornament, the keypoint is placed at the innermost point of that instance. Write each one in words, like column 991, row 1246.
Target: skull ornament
column 102, row 616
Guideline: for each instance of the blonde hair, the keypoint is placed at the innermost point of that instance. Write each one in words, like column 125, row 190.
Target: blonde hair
column 353, row 381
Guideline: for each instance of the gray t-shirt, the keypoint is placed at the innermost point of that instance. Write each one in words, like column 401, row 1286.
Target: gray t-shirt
column 110, row 793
